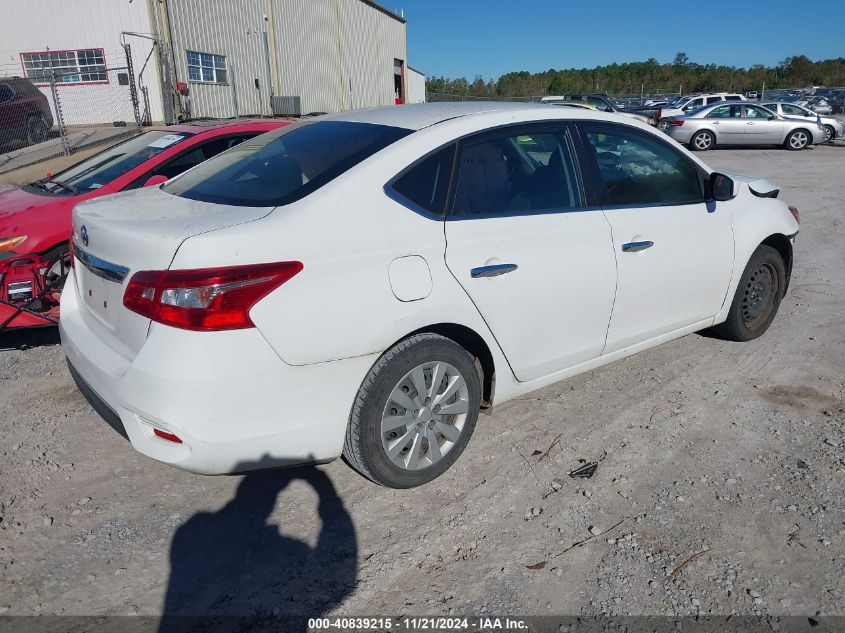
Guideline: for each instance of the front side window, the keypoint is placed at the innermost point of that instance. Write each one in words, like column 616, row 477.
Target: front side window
column 726, row 112
column 754, row 112
column 793, row 110
column 285, row 165
column 427, row 183
column 74, row 66
column 512, row 173
column 207, row 68
column 637, row 170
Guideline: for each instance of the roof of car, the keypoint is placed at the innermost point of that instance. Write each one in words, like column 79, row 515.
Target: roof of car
column 203, row 125
column 420, row 115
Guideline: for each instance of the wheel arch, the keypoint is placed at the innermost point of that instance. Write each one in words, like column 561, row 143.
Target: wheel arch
column 475, row 345
column 782, row 244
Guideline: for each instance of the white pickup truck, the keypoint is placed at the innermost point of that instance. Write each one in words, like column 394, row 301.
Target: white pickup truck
column 685, row 104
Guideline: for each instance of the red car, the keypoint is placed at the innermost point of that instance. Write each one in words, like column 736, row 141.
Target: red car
column 35, row 218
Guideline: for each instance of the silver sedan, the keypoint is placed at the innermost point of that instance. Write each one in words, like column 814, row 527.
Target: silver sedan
column 742, row 124
column 834, row 128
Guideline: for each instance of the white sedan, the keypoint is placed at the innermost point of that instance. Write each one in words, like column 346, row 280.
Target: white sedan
column 364, row 283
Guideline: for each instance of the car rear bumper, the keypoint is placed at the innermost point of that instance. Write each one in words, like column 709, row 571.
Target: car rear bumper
column 232, row 401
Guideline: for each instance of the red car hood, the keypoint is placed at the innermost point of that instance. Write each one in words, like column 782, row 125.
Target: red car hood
column 45, row 220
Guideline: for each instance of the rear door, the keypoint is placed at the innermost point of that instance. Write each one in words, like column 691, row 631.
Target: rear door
column 529, row 249
column 728, row 124
column 674, row 250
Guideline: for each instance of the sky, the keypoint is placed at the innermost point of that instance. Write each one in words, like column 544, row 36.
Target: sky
column 464, row 38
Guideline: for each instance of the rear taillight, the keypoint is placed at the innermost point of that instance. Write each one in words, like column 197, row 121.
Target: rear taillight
column 205, row 299
column 676, row 123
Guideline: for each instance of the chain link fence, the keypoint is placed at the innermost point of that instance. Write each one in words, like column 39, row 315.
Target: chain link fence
column 60, row 102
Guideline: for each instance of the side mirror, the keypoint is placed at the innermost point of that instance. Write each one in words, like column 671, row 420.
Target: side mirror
column 155, row 180
column 722, row 188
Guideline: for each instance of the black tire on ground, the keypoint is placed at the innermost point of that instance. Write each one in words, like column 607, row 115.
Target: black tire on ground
column 757, row 297
column 363, row 448
column 702, row 141
column 792, row 140
column 829, row 133
column 36, row 130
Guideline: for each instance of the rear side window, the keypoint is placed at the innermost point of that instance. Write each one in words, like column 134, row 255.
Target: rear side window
column 517, row 172
column 427, row 183
column 637, row 170
column 733, row 98
column 285, row 165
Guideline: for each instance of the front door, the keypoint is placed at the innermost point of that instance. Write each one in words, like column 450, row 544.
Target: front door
column 535, row 260
column 674, row 250
column 760, row 127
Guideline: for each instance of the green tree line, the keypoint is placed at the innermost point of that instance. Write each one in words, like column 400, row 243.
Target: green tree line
column 650, row 77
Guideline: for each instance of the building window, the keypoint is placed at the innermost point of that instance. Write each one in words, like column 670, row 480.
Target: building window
column 206, row 68
column 75, row 66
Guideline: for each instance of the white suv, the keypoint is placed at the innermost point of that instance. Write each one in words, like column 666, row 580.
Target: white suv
column 685, row 104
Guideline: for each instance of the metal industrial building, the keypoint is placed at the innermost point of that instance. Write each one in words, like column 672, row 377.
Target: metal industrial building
column 209, row 58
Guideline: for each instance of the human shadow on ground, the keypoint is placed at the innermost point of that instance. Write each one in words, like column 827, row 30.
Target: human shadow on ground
column 233, row 570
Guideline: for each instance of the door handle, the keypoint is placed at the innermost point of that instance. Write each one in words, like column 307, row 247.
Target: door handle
column 635, row 247
column 749, row 123
column 493, row 270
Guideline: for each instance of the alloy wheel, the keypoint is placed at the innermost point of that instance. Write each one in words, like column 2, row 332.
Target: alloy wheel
column 424, row 415
column 703, row 141
column 798, row 140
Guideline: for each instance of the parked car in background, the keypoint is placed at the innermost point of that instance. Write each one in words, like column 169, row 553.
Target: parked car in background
column 35, row 218
column 742, row 124
column 574, row 104
column 688, row 103
column 605, row 104
column 751, row 94
column 834, row 128
column 25, row 116
column 364, row 283
column 819, row 105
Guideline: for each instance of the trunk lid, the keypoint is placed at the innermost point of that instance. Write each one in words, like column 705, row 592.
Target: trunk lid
column 116, row 236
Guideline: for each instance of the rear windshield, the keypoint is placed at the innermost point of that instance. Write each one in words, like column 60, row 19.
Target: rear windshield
column 285, row 165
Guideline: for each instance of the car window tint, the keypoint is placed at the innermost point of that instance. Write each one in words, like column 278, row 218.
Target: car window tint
column 199, row 153
column 637, row 170
column 285, row 165
column 517, row 173
column 733, row 98
column 6, row 93
column 713, row 99
column 101, row 169
column 791, row 109
column 725, row 112
column 753, row 112
column 427, row 183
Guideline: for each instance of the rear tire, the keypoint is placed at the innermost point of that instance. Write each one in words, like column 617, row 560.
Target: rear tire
column 36, row 130
column 702, row 141
column 405, row 445
column 58, row 266
column 757, row 297
column 798, row 140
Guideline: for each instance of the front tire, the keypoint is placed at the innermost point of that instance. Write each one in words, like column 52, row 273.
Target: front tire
column 414, row 413
column 797, row 140
column 702, row 141
column 829, row 133
column 757, row 297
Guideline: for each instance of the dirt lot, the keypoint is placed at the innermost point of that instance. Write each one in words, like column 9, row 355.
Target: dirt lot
column 719, row 490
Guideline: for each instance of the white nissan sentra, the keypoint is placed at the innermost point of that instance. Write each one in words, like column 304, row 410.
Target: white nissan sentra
column 363, row 284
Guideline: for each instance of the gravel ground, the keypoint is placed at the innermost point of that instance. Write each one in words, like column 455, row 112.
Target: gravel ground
column 718, row 490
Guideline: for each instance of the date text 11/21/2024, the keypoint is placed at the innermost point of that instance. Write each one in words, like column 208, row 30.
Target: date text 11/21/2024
column 423, row 623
